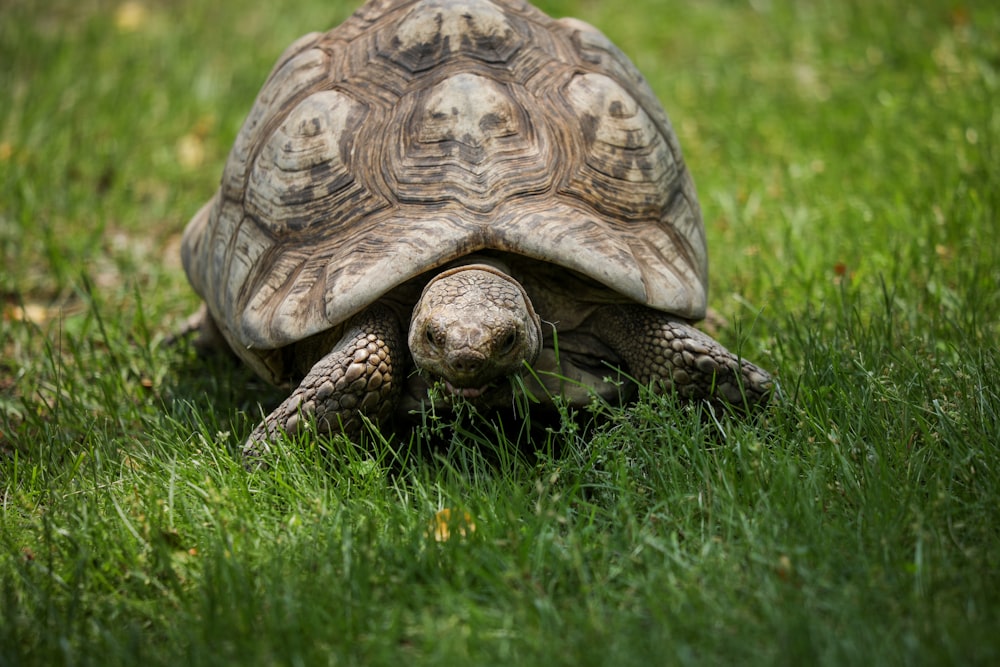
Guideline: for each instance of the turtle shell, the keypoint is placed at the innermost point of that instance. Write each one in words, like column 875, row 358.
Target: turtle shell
column 419, row 132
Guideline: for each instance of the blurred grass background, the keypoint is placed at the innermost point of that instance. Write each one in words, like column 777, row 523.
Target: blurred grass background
column 847, row 157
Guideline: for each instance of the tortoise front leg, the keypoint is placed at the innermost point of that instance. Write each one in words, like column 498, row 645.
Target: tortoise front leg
column 659, row 348
column 354, row 379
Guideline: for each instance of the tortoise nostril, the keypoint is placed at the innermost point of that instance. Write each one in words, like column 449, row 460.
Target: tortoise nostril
column 466, row 364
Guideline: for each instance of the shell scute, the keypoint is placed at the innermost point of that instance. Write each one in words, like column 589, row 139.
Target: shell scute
column 303, row 174
column 468, row 139
column 627, row 159
column 435, row 30
column 300, row 70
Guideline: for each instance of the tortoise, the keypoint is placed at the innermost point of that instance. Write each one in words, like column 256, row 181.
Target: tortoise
column 439, row 197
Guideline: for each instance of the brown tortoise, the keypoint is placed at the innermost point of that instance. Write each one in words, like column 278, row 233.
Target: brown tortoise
column 504, row 185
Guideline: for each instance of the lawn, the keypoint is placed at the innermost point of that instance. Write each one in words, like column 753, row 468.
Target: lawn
column 847, row 157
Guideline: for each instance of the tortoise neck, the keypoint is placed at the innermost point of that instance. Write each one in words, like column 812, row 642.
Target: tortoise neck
column 477, row 260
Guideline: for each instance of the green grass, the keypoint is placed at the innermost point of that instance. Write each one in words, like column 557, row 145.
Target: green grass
column 847, row 155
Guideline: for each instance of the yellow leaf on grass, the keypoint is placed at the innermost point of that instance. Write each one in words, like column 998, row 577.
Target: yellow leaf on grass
column 131, row 16
column 443, row 524
column 29, row 312
column 190, row 151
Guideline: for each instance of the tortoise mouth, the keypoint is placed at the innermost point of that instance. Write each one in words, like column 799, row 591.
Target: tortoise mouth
column 468, row 392
column 489, row 394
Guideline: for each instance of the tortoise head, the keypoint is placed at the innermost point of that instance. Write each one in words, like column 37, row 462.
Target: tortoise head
column 472, row 326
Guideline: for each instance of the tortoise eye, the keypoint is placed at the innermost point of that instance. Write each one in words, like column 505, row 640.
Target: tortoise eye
column 508, row 343
column 433, row 339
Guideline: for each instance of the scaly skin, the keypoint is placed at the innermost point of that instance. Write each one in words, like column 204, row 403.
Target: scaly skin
column 356, row 378
column 660, row 349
